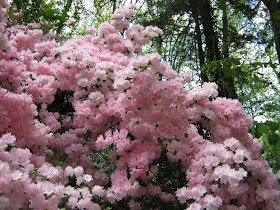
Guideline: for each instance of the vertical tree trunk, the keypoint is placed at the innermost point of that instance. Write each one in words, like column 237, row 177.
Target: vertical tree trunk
column 223, row 79
column 198, row 37
column 225, row 30
column 211, row 39
column 114, row 5
column 273, row 7
column 228, row 78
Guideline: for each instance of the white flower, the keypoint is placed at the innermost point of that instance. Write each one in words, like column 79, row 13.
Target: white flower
column 69, row 171
column 96, row 98
column 59, row 190
column 87, row 177
column 79, row 180
column 98, row 190
column 194, row 206
column 209, row 114
column 7, row 139
column 100, row 74
column 48, row 170
column 121, row 84
column 16, row 175
column 78, row 171
column 46, row 187
column 212, row 202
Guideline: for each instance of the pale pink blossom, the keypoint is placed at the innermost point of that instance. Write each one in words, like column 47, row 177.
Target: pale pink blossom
column 91, row 30
column 98, row 190
column 70, row 21
column 195, row 206
column 96, row 98
column 212, row 202
column 187, row 77
column 4, row 202
column 7, row 139
column 69, row 171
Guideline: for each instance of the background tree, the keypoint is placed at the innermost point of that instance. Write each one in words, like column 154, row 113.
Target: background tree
column 273, row 7
column 38, row 11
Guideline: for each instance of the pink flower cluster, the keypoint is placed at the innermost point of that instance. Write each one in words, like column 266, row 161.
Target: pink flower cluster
column 229, row 171
column 70, row 21
column 88, row 121
column 25, row 184
column 3, row 38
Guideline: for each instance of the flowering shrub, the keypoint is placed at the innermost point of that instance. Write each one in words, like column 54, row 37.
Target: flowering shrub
column 91, row 123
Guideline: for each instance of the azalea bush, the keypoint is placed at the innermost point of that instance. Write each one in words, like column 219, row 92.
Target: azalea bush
column 91, row 123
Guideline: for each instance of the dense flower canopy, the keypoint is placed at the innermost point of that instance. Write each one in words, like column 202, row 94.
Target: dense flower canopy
column 92, row 122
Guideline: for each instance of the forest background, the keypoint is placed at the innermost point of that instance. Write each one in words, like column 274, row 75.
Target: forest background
column 234, row 43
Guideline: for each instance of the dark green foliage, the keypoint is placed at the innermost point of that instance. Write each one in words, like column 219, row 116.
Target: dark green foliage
column 32, row 10
column 55, row 12
column 63, row 202
column 269, row 134
column 102, row 162
column 169, row 177
column 61, row 156
column 154, row 202
column 72, row 181
column 61, row 103
column 248, row 8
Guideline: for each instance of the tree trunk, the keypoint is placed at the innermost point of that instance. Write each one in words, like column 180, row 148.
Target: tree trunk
column 228, row 78
column 223, row 79
column 114, row 5
column 211, row 38
column 225, row 30
column 273, row 7
column 198, row 37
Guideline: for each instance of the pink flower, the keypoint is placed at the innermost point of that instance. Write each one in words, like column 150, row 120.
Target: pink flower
column 4, row 169
column 187, row 77
column 4, row 202
column 98, row 190
column 209, row 114
column 194, row 206
column 70, row 21
column 196, row 193
column 212, row 202
column 225, row 174
column 46, row 187
column 123, row 12
column 239, row 155
column 78, row 171
column 134, row 205
column 7, row 139
column 182, row 194
column 87, row 177
column 72, row 201
column 96, row 98
column 48, row 171
column 91, row 30
column 69, row 171
column 232, row 143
